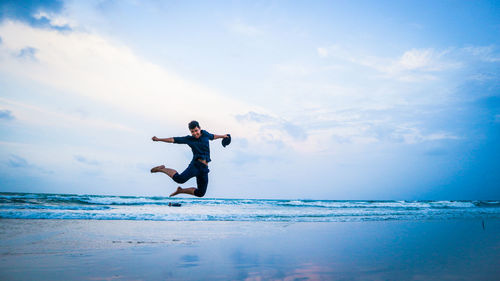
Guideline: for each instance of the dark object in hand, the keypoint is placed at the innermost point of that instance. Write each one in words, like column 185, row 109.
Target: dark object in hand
column 226, row 141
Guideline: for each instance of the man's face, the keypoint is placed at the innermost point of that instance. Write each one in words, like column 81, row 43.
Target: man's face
column 196, row 132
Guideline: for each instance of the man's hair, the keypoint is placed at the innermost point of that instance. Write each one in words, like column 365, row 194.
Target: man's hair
column 193, row 124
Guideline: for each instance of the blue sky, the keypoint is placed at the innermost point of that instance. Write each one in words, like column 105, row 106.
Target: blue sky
column 324, row 100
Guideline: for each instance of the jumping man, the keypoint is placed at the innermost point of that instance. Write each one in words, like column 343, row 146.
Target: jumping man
column 198, row 141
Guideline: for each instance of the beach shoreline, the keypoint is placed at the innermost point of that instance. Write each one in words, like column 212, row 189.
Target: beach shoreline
column 457, row 249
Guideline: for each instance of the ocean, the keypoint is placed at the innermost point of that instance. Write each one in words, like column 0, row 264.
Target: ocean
column 101, row 207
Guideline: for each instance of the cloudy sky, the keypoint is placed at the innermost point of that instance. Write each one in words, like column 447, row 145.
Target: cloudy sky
column 324, row 100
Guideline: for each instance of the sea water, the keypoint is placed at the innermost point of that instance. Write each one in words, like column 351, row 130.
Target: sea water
column 101, row 207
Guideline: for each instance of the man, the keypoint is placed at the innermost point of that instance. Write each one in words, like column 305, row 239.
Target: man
column 198, row 141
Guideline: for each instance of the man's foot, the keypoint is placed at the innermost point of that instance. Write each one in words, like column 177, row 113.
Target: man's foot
column 157, row 169
column 179, row 189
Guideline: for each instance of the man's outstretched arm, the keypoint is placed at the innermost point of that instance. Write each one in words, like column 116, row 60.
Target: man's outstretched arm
column 220, row 136
column 170, row 140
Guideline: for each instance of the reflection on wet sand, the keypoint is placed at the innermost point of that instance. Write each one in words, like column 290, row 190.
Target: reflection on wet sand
column 395, row 250
column 308, row 271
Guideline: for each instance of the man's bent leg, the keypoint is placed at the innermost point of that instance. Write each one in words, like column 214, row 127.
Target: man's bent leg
column 183, row 177
column 162, row 169
column 202, row 183
column 189, row 190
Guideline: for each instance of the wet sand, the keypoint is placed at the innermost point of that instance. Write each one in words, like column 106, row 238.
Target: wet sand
column 162, row 250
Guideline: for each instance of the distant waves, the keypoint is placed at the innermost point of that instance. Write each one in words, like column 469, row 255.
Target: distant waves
column 97, row 207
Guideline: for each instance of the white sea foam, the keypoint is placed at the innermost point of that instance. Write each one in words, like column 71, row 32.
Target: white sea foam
column 60, row 206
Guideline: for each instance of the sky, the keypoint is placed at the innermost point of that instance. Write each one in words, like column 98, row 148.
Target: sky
column 334, row 100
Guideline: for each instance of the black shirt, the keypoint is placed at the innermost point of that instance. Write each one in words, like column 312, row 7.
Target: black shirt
column 199, row 146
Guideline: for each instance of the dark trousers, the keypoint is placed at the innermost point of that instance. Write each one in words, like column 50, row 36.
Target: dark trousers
column 198, row 170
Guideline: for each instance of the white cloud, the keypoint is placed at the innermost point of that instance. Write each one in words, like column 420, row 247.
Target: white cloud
column 427, row 60
column 269, row 122
column 412, row 135
column 293, row 69
column 415, row 59
column 482, row 77
column 322, row 52
column 106, row 72
column 94, row 67
column 6, row 114
column 414, row 65
column 39, row 116
column 244, row 28
column 56, row 20
column 485, row 53
column 97, row 68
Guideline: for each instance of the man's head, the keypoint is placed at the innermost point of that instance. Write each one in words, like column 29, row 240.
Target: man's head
column 194, row 128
